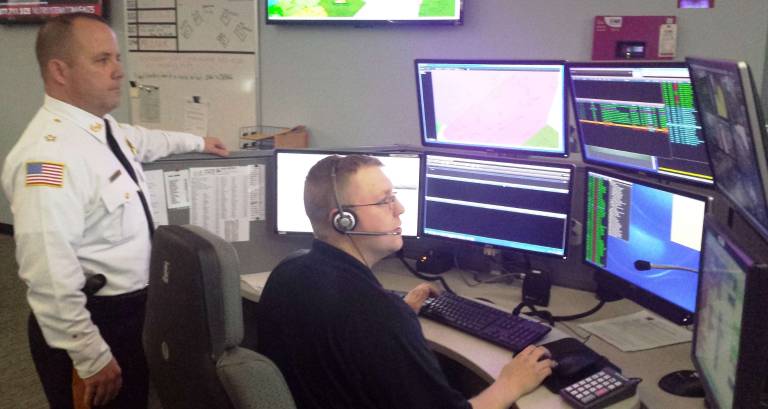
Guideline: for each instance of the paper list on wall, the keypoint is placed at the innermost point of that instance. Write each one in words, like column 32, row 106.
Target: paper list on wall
column 154, row 179
column 256, row 192
column 177, row 189
column 196, row 118
column 149, row 104
column 220, row 201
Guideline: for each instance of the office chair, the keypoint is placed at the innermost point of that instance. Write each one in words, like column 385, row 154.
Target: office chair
column 194, row 325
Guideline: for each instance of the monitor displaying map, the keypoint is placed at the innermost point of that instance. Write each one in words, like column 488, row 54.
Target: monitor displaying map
column 363, row 11
column 493, row 105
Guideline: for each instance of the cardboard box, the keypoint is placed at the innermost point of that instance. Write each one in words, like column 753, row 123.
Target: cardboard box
column 270, row 137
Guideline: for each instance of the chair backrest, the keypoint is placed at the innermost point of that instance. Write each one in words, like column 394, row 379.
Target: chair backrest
column 194, row 324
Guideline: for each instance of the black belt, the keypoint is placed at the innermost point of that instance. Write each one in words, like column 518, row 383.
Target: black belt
column 117, row 304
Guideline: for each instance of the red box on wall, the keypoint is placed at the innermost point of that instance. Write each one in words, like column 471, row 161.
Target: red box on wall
column 634, row 37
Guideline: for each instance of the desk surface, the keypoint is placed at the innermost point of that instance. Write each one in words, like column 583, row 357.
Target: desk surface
column 487, row 360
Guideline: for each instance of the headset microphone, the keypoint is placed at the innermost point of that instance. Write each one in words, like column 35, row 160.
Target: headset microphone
column 373, row 233
column 344, row 220
column 644, row 265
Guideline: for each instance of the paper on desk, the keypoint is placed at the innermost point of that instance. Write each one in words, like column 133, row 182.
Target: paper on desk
column 639, row 331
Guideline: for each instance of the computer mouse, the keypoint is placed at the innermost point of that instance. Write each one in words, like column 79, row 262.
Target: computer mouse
column 569, row 365
column 683, row 383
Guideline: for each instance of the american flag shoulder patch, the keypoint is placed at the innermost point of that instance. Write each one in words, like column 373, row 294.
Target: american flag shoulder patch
column 45, row 174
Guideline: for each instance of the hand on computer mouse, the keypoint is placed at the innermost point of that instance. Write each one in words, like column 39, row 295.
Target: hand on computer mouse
column 528, row 368
column 521, row 375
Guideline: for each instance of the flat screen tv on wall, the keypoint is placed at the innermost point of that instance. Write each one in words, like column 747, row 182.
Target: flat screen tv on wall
column 363, row 12
column 23, row 11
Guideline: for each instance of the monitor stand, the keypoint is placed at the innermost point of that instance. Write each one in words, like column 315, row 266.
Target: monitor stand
column 682, row 383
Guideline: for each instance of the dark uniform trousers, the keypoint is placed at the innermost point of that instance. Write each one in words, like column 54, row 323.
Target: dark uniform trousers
column 120, row 320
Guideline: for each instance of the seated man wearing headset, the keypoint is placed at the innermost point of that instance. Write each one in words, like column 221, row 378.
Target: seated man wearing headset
column 339, row 338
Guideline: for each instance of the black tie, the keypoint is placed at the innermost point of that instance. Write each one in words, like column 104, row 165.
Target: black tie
column 128, row 168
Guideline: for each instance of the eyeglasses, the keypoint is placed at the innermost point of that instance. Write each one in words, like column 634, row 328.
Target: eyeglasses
column 388, row 201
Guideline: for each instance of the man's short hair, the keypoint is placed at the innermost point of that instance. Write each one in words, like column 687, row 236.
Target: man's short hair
column 54, row 39
column 318, row 187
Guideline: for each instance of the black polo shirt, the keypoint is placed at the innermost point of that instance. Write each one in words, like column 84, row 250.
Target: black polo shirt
column 342, row 341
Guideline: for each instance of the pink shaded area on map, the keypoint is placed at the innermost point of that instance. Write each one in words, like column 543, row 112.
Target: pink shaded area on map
column 493, row 107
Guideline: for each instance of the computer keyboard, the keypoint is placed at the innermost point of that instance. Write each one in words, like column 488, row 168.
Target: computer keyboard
column 483, row 321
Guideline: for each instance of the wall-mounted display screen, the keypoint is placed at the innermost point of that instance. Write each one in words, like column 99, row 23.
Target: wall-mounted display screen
column 15, row 11
column 363, row 11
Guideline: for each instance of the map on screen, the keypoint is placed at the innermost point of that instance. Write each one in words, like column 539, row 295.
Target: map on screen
column 518, row 108
column 363, row 9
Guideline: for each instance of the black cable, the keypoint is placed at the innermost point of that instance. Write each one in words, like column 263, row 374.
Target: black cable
column 551, row 319
column 423, row 276
column 543, row 314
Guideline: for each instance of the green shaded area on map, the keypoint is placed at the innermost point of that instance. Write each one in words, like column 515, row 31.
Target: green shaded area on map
column 440, row 129
column 546, row 137
column 315, row 8
column 348, row 9
column 435, row 8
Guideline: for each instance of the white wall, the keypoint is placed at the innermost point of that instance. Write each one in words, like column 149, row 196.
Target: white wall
column 356, row 86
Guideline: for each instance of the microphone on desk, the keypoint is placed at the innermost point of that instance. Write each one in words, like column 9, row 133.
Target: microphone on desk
column 644, row 265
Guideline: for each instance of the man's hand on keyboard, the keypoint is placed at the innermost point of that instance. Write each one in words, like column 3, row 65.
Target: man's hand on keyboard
column 416, row 297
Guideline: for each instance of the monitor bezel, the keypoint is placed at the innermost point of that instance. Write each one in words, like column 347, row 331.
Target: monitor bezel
column 514, row 152
column 582, row 144
column 607, row 280
column 752, row 368
column 466, row 155
column 366, row 23
column 344, row 152
column 757, row 131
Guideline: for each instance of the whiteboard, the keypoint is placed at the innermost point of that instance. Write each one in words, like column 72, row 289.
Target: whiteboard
column 193, row 65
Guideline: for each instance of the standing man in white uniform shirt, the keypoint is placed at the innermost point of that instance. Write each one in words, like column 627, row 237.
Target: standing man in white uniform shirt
column 79, row 209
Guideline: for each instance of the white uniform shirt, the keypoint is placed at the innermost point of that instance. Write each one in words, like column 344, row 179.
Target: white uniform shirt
column 76, row 211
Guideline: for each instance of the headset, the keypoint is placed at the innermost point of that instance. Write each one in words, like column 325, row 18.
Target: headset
column 344, row 220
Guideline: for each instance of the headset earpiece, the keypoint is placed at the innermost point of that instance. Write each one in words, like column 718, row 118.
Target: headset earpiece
column 344, row 221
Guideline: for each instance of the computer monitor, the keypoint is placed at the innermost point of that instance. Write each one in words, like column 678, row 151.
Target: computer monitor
column 639, row 117
column 733, row 128
column 645, row 241
column 730, row 341
column 508, row 106
column 504, row 203
column 292, row 166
